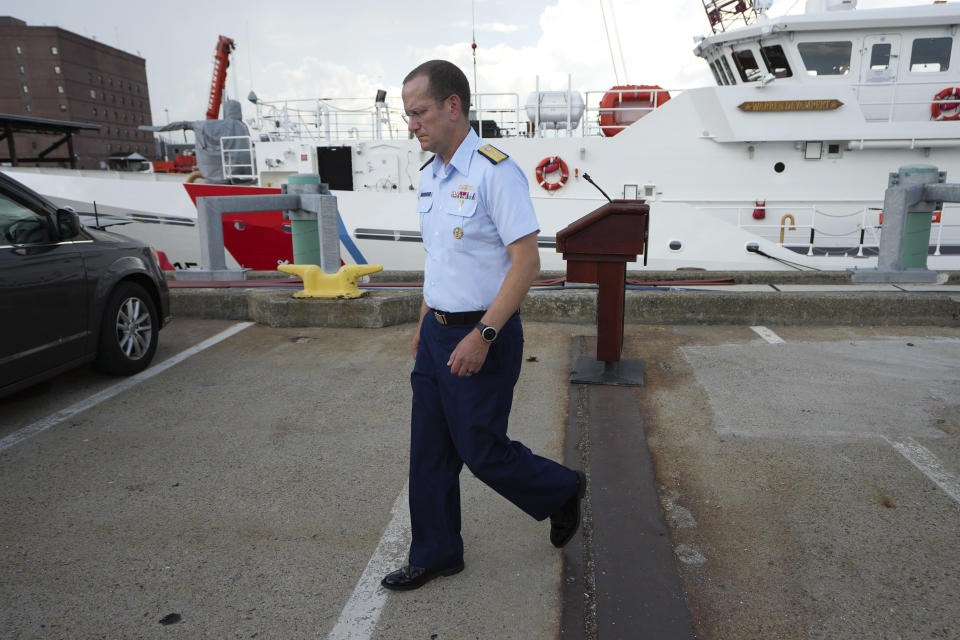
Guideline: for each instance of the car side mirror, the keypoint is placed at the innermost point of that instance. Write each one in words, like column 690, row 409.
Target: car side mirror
column 68, row 223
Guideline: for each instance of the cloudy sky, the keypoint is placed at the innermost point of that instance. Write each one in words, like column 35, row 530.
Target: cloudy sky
column 335, row 48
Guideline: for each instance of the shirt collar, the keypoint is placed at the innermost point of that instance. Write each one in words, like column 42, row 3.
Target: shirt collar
column 462, row 157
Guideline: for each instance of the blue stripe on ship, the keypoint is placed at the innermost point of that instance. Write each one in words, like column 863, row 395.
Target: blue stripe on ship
column 348, row 242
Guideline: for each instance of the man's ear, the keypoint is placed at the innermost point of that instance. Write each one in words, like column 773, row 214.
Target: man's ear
column 454, row 106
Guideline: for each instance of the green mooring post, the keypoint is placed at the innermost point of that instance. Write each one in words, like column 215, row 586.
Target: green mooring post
column 905, row 239
column 916, row 226
column 303, row 224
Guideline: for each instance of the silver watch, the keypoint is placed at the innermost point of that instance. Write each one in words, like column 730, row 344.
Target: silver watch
column 488, row 333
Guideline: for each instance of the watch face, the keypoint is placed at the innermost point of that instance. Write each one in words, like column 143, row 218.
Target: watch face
column 489, row 334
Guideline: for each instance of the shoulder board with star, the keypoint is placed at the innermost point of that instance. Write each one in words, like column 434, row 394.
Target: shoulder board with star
column 424, row 165
column 492, row 154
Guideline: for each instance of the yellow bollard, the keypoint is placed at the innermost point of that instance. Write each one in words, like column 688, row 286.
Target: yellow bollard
column 342, row 284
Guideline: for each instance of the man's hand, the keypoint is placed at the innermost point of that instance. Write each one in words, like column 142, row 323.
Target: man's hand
column 416, row 336
column 469, row 355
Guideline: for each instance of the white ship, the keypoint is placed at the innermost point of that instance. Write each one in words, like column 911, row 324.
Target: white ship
column 783, row 164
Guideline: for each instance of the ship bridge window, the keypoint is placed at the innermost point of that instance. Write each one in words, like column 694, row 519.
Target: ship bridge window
column 723, row 77
column 826, row 58
column 716, row 74
column 725, row 68
column 776, row 61
column 747, row 65
column 930, row 54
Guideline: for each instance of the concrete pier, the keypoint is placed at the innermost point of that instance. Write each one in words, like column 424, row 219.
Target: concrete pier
column 808, row 298
column 791, row 480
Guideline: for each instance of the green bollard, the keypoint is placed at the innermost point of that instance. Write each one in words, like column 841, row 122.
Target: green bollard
column 917, row 226
column 306, row 239
column 905, row 242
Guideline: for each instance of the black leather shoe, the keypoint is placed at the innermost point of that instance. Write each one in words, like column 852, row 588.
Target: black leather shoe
column 411, row 577
column 565, row 522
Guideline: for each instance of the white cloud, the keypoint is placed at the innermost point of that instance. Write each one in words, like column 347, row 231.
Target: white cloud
column 312, row 78
column 657, row 48
column 500, row 27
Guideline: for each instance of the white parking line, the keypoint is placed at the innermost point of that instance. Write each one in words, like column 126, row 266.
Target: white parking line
column 42, row 425
column 923, row 459
column 362, row 611
column 768, row 335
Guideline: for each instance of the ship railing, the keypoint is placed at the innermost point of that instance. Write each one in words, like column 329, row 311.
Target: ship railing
column 899, row 107
column 842, row 228
column 330, row 119
column 503, row 109
column 237, row 159
column 356, row 119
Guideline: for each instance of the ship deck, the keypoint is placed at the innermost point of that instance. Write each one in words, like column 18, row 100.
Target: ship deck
column 790, row 480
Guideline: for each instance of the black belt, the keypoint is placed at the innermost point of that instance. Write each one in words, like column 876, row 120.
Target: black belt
column 467, row 317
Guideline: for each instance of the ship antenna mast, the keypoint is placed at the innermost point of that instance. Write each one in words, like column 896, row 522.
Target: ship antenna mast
column 473, row 45
column 725, row 14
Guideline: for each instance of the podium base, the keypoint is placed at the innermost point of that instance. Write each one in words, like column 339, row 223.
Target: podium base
column 624, row 373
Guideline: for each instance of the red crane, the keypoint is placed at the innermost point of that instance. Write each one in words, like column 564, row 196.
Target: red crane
column 722, row 14
column 220, row 63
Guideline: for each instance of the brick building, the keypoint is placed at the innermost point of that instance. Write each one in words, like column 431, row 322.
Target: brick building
column 47, row 72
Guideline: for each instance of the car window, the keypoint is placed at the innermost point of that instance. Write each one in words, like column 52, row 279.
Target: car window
column 20, row 224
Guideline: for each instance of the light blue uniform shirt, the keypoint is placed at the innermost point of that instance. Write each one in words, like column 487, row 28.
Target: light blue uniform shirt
column 470, row 211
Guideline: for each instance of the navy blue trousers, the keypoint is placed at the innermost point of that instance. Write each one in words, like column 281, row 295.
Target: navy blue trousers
column 463, row 420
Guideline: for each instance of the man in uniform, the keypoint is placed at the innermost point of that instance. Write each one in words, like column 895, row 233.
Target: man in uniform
column 480, row 234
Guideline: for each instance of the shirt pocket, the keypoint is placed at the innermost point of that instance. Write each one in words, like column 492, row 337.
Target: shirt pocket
column 424, row 204
column 460, row 224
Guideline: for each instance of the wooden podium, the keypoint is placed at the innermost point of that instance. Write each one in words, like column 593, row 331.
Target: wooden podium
column 597, row 248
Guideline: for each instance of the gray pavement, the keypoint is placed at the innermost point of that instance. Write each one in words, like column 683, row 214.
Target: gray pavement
column 246, row 488
column 792, row 514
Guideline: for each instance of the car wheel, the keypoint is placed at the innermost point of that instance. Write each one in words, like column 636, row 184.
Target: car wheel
column 128, row 335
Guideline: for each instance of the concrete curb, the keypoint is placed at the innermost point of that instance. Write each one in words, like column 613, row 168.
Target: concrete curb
column 278, row 308
column 741, row 277
column 795, row 308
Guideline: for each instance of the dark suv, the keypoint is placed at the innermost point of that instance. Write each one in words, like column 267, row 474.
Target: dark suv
column 71, row 294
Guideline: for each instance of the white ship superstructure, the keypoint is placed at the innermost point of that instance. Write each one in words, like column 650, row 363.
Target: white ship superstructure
column 783, row 162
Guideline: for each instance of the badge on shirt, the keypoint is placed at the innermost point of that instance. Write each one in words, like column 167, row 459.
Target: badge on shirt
column 463, row 193
column 457, row 233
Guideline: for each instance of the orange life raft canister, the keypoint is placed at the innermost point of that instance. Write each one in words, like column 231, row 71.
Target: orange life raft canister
column 623, row 105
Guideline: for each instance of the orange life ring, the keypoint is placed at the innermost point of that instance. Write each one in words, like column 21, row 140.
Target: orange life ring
column 938, row 107
column 551, row 165
column 623, row 105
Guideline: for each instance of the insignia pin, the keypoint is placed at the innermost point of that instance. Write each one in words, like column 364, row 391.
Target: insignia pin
column 457, row 233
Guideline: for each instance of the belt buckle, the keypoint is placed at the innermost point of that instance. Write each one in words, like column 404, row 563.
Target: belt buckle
column 442, row 319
